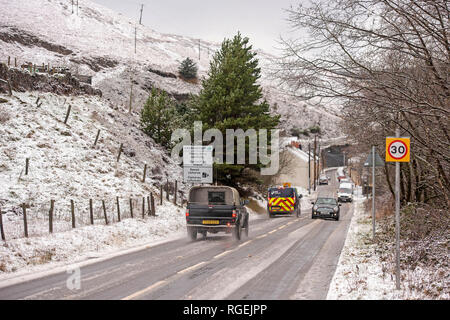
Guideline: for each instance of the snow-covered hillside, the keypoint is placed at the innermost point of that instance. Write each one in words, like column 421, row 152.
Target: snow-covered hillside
column 101, row 43
column 65, row 165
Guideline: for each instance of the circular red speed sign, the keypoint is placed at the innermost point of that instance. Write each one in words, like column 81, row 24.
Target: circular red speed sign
column 397, row 149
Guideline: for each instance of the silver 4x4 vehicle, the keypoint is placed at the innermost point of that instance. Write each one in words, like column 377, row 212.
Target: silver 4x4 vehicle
column 216, row 209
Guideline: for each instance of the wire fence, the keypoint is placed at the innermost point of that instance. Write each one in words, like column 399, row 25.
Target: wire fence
column 23, row 220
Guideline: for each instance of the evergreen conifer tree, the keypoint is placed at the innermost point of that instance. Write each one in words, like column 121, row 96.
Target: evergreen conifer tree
column 231, row 98
column 158, row 117
column 188, row 69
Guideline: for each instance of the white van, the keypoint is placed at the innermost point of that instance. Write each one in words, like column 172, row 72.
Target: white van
column 345, row 192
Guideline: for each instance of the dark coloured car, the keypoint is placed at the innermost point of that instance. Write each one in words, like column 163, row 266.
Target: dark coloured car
column 216, row 209
column 326, row 207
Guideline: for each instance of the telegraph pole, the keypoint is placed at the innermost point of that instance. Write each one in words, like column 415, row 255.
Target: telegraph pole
column 135, row 33
column 140, row 17
column 309, row 168
column 314, row 153
column 318, row 161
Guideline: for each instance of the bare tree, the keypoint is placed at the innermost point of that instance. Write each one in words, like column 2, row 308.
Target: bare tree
column 388, row 63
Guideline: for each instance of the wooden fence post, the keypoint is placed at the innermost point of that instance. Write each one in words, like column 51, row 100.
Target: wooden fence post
column 15, row 62
column 9, row 87
column 91, row 211
column 153, row 205
column 67, row 114
column 120, row 151
column 1, row 225
column 131, row 207
column 27, row 163
column 104, row 212
column 9, row 60
column 96, row 138
column 131, row 96
column 167, row 190
column 145, row 171
column 72, row 210
column 25, row 224
column 118, row 208
column 175, row 193
column 50, row 216
column 161, row 193
column 149, row 206
column 143, row 207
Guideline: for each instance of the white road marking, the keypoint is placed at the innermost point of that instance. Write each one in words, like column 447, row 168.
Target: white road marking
column 232, row 250
column 148, row 289
column 162, row 282
column 244, row 244
column 222, row 254
column 191, row 267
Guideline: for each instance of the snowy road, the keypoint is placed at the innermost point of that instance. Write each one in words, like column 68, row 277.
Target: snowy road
column 283, row 258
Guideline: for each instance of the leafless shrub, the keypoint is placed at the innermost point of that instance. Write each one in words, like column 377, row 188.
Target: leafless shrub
column 386, row 63
column 4, row 116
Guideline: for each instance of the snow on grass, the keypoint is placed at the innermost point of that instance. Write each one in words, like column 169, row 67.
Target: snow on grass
column 64, row 166
column 363, row 273
column 39, row 253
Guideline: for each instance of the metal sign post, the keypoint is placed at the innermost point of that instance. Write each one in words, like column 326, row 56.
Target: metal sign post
column 373, row 193
column 397, row 219
column 397, row 150
column 373, row 160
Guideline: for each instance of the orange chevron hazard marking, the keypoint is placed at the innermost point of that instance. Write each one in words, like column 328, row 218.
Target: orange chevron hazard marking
column 285, row 204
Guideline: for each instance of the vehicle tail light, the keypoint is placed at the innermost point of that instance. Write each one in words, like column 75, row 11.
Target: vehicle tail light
column 228, row 224
column 187, row 213
column 234, row 214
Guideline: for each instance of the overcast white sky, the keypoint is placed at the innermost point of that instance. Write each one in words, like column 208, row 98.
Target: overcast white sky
column 263, row 21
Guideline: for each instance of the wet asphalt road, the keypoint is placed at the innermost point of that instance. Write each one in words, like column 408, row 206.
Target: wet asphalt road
column 282, row 258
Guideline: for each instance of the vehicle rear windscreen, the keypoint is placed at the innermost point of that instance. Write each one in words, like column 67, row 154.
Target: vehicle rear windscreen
column 216, row 197
column 281, row 193
column 345, row 190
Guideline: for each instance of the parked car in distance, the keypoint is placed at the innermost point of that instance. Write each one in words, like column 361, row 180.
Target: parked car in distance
column 325, row 207
column 216, row 209
column 323, row 179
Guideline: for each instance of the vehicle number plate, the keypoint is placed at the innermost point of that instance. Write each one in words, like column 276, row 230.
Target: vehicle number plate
column 210, row 221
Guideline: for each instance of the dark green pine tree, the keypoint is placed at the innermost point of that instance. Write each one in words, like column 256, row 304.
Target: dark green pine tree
column 231, row 97
column 188, row 69
column 158, row 117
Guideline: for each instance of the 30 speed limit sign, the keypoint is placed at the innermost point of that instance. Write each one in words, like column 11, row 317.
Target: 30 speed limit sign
column 397, row 149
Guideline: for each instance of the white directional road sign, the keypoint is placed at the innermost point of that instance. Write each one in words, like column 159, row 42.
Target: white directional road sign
column 198, row 174
column 197, row 164
column 194, row 155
